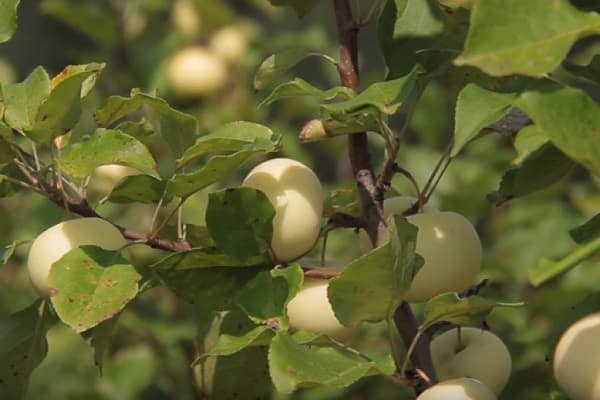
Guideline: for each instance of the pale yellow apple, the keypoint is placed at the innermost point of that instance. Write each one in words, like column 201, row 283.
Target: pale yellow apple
column 480, row 355
column 577, row 359
column 449, row 245
column 296, row 193
column 229, row 43
column 310, row 310
column 458, row 389
column 186, row 17
column 59, row 239
column 196, row 71
column 105, row 177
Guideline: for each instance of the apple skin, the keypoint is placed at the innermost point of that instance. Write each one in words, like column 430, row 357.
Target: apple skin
column 483, row 356
column 458, row 389
column 59, row 239
column 296, row 193
column 195, row 72
column 105, row 177
column 186, row 17
column 577, row 359
column 229, row 44
column 310, row 310
column 447, row 242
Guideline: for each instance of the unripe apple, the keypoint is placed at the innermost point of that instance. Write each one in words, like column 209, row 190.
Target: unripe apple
column 310, row 309
column 186, row 17
column 105, row 177
column 195, row 71
column 59, row 239
column 458, row 389
column 449, row 246
column 229, row 44
column 296, row 193
column 577, row 359
column 478, row 354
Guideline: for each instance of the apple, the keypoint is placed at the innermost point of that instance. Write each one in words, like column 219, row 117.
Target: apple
column 186, row 17
column 296, row 193
column 310, row 310
column 458, row 389
column 480, row 355
column 449, row 246
column 195, row 71
column 105, row 177
column 577, row 359
column 59, row 239
column 229, row 43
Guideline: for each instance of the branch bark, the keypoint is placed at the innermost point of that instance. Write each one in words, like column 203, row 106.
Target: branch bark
column 371, row 195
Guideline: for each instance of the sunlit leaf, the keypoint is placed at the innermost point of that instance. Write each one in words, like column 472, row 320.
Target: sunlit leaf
column 524, row 37
column 23, row 100
column 299, row 87
column 448, row 307
column 92, row 285
column 8, row 19
column 476, row 108
column 107, row 146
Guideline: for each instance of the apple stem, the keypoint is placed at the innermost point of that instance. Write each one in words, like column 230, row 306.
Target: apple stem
column 459, row 343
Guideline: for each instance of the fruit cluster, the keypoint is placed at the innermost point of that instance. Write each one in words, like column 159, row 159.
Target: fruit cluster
column 471, row 363
column 202, row 69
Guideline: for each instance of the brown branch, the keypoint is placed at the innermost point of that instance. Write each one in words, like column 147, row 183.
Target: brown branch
column 321, row 273
column 407, row 326
column 372, row 196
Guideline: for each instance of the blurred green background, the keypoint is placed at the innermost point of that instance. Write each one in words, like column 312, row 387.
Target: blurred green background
column 154, row 342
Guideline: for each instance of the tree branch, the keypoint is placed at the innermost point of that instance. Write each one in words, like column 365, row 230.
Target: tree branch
column 372, row 196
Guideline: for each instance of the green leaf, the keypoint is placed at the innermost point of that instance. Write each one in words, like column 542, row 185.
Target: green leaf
column 212, row 288
column 234, row 136
column 404, row 49
column 8, row 19
column 547, row 269
column 243, row 375
column 177, row 128
column 7, row 251
column 138, row 189
column 299, row 87
column 23, row 100
column 88, row 18
column 528, row 140
column 590, row 71
column 301, row 7
column 524, row 37
column 294, row 365
column 92, row 285
column 588, row 231
column 419, row 18
column 266, row 296
column 106, row 146
column 240, row 221
column 386, row 97
column 541, row 169
column 23, row 346
column 99, row 338
column 231, row 344
column 204, row 258
column 276, row 65
column 382, row 275
column 571, row 121
column 62, row 109
column 342, row 200
column 448, row 307
column 215, row 169
column 476, row 108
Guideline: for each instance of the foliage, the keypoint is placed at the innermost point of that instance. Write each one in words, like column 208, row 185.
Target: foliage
column 490, row 111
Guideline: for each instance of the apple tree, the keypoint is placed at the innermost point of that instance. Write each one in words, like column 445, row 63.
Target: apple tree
column 300, row 199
